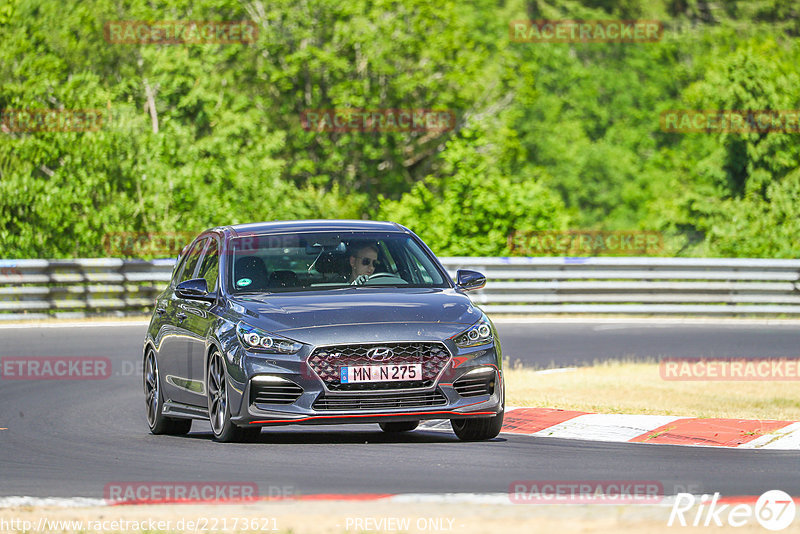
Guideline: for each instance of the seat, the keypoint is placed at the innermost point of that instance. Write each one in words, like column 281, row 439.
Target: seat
column 282, row 279
column 250, row 274
column 335, row 266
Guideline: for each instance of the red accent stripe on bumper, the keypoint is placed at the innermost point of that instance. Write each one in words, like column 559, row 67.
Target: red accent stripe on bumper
column 313, row 417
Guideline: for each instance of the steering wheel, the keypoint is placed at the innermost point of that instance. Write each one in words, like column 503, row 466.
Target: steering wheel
column 375, row 276
column 363, row 279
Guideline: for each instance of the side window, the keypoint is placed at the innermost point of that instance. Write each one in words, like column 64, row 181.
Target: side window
column 423, row 268
column 192, row 257
column 209, row 269
column 419, row 271
column 180, row 261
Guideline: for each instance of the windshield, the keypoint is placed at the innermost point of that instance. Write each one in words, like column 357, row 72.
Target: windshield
column 329, row 260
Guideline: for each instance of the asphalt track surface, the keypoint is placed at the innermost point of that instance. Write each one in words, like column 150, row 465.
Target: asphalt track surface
column 71, row 438
column 561, row 344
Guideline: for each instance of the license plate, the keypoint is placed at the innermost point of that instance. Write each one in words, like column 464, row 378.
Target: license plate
column 380, row 373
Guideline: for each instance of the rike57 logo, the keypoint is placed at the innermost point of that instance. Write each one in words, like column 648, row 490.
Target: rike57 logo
column 774, row 510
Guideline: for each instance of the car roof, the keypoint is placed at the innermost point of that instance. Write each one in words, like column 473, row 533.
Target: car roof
column 318, row 225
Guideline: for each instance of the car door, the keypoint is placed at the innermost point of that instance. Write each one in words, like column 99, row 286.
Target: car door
column 175, row 351
column 200, row 319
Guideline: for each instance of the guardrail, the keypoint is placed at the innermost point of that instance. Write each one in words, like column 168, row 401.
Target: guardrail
column 706, row 286
column 36, row 289
column 32, row 289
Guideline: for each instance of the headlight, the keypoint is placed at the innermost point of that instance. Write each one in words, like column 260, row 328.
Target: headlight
column 478, row 334
column 257, row 340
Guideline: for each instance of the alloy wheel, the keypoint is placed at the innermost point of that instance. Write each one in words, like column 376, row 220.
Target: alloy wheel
column 217, row 393
column 151, row 388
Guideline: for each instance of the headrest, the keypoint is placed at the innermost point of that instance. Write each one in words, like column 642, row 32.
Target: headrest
column 250, row 274
column 333, row 262
column 282, row 279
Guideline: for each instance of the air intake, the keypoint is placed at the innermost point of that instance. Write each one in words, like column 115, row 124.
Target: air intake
column 380, row 401
column 273, row 390
column 476, row 383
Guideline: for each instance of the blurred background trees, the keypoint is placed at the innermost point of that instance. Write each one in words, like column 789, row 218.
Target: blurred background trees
column 548, row 137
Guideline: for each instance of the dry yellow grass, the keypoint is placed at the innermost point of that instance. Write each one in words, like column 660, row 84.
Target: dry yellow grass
column 637, row 388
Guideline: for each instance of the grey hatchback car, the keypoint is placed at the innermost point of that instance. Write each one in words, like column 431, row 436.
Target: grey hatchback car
column 319, row 322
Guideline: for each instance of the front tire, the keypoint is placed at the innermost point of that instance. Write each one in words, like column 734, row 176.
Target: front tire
column 396, row 427
column 156, row 420
column 219, row 413
column 478, row 429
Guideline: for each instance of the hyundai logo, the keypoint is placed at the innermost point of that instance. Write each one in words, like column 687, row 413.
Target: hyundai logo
column 380, row 354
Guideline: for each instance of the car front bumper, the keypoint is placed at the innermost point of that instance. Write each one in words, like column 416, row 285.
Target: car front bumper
column 305, row 399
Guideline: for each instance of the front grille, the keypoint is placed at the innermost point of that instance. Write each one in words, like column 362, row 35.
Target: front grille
column 380, row 401
column 475, row 385
column 274, row 393
column 326, row 362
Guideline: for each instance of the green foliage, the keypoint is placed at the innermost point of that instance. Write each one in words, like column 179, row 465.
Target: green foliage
column 6, row 11
column 744, row 196
column 474, row 206
column 549, row 136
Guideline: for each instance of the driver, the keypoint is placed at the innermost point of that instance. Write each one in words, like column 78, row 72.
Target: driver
column 362, row 263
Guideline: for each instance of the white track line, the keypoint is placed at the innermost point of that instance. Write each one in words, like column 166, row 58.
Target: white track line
column 58, row 502
column 59, row 324
column 649, row 321
column 644, row 320
column 555, row 371
column 403, row 498
column 786, row 438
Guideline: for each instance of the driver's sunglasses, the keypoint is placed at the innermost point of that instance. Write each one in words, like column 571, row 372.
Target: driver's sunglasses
column 368, row 261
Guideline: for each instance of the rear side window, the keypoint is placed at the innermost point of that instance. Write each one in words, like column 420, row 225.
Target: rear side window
column 209, row 269
column 190, row 262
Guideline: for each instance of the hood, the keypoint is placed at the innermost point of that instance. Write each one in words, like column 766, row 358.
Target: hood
column 386, row 312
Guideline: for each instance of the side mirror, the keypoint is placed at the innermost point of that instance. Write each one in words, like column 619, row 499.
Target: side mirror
column 468, row 280
column 196, row 289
